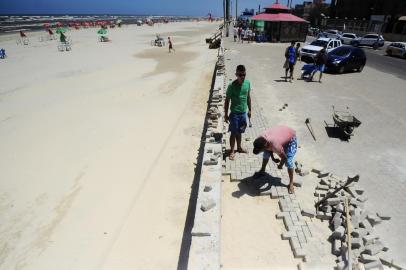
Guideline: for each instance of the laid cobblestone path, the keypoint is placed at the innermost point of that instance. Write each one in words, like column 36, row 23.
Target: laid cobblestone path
column 299, row 229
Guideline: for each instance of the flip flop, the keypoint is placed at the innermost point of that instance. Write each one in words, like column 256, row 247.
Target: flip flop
column 243, row 151
column 231, row 156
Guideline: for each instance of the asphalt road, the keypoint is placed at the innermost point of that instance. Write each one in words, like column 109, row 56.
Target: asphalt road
column 378, row 59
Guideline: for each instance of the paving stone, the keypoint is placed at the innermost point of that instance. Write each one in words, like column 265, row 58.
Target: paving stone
column 337, row 221
column 282, row 215
column 323, row 187
column 333, row 201
column 308, row 212
column 355, row 222
column 338, row 233
column 375, row 265
column 288, row 235
column 374, row 219
column 369, row 239
column 341, row 266
column 337, row 247
column 299, row 253
column 207, row 205
column 365, row 224
column 323, row 174
column 360, row 232
column 307, row 232
column 323, row 216
column 315, row 170
column 356, row 243
column 365, row 258
column 207, row 188
column 320, row 193
column 373, row 249
column 340, row 208
column 294, row 243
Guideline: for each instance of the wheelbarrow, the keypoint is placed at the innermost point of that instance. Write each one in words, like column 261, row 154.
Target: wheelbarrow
column 345, row 121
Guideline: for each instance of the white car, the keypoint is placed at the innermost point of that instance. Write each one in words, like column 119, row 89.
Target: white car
column 347, row 38
column 373, row 40
column 308, row 52
column 333, row 34
column 396, row 49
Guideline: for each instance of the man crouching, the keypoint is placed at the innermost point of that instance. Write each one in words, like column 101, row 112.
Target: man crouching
column 282, row 141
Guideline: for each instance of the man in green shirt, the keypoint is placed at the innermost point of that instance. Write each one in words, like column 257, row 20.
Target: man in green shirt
column 238, row 92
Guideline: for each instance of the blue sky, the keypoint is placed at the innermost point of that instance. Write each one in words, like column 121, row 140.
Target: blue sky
column 147, row 7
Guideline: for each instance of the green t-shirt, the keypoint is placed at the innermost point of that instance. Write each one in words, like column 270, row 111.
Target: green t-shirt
column 238, row 95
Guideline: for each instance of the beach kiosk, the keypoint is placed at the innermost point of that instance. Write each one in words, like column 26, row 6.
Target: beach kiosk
column 277, row 24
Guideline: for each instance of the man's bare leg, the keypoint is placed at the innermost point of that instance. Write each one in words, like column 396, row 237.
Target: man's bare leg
column 291, row 186
column 238, row 137
column 232, row 145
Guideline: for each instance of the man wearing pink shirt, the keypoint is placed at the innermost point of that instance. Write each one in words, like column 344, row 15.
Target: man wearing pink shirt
column 282, row 141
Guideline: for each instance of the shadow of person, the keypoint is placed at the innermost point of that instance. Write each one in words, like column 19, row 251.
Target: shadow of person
column 254, row 186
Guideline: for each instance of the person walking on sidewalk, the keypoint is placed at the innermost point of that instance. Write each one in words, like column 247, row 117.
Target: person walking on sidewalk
column 282, row 141
column 238, row 94
column 290, row 61
column 321, row 61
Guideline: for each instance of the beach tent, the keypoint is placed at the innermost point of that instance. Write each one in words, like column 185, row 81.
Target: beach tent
column 277, row 24
column 47, row 25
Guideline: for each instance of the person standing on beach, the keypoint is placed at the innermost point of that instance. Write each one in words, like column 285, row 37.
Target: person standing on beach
column 170, row 45
column 290, row 61
column 282, row 141
column 238, row 93
column 239, row 33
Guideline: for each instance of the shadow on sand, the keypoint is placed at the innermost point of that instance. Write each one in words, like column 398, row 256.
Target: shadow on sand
column 254, row 186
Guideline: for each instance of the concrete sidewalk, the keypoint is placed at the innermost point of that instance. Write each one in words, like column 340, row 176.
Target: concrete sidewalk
column 376, row 151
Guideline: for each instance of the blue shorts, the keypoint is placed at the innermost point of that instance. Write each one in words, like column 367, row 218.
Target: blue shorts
column 238, row 122
column 290, row 151
column 321, row 68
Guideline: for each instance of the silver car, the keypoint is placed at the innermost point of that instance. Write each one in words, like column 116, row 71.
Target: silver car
column 373, row 40
column 396, row 49
column 347, row 38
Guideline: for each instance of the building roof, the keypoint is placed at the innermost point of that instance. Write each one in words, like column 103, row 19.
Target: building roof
column 276, row 5
column 279, row 17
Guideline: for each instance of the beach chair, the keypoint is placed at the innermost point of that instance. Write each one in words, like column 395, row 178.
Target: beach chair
column 3, row 53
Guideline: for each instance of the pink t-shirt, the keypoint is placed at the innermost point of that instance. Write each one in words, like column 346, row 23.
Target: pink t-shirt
column 277, row 137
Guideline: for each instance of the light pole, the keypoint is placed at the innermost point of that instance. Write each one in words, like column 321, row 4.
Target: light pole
column 236, row 10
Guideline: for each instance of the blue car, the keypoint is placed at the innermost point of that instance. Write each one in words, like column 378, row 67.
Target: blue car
column 346, row 58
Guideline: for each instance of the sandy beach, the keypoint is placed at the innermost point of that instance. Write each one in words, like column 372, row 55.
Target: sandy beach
column 98, row 147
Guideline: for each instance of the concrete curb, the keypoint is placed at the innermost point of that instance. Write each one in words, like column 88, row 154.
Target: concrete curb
column 205, row 247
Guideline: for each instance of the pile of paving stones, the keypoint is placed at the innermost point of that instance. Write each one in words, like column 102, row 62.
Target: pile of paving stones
column 366, row 247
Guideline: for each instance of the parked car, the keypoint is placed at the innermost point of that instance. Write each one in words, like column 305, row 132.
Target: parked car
column 374, row 40
column 308, row 52
column 346, row 58
column 333, row 34
column 396, row 49
column 347, row 38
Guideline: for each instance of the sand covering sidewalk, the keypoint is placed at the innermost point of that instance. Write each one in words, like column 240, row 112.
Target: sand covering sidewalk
column 98, row 146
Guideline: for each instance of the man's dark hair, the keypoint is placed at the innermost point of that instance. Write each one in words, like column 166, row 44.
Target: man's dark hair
column 298, row 44
column 241, row 68
column 259, row 144
column 292, row 43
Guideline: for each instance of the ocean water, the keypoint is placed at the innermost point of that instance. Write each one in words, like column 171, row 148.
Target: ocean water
column 15, row 23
